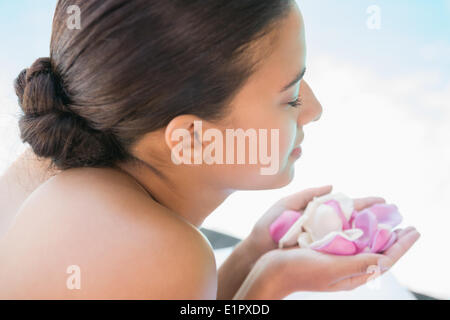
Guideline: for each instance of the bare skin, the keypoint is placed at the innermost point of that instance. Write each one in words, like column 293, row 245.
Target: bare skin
column 132, row 245
column 126, row 245
column 26, row 174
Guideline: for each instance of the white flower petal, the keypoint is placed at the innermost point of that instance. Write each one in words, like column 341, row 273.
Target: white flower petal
column 290, row 237
column 324, row 220
column 318, row 220
column 349, row 234
column 304, row 240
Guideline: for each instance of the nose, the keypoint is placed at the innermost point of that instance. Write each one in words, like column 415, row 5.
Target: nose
column 311, row 109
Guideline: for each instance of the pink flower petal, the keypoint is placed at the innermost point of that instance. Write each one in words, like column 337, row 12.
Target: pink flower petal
column 352, row 217
column 386, row 214
column 380, row 240
column 390, row 242
column 367, row 222
column 337, row 207
column 282, row 224
column 338, row 244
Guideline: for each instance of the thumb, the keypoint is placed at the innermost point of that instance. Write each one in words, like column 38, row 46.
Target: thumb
column 299, row 200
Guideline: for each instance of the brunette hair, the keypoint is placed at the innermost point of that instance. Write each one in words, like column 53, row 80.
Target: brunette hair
column 132, row 67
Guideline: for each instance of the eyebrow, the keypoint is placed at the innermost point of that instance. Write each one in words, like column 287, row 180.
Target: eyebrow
column 297, row 79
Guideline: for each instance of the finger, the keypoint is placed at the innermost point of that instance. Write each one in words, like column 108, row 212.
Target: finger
column 362, row 203
column 406, row 240
column 401, row 232
column 352, row 271
column 354, row 281
column 300, row 199
column 348, row 266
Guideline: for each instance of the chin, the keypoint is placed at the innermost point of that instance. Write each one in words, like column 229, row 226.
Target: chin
column 286, row 177
column 281, row 179
column 254, row 180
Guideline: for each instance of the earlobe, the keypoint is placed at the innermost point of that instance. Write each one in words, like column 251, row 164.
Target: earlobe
column 180, row 126
column 183, row 136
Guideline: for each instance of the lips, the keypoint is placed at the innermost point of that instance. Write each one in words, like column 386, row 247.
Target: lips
column 297, row 152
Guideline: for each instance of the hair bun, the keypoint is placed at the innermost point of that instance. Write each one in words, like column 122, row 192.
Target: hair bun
column 52, row 129
column 41, row 65
column 39, row 89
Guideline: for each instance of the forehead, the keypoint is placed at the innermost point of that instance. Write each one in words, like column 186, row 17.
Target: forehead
column 291, row 46
column 288, row 54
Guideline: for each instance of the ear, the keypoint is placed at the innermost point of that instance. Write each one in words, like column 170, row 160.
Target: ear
column 183, row 126
column 185, row 133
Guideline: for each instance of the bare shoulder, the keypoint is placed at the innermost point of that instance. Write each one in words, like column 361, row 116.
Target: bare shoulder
column 96, row 229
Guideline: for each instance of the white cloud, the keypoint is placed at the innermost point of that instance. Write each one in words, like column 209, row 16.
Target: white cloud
column 435, row 51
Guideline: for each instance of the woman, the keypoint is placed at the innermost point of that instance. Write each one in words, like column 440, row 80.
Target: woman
column 120, row 217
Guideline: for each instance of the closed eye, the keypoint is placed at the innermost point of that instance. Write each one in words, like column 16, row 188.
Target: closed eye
column 297, row 103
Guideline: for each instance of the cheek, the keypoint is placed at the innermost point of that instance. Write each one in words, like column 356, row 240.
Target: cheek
column 287, row 139
column 288, row 136
column 267, row 117
column 280, row 120
column 249, row 176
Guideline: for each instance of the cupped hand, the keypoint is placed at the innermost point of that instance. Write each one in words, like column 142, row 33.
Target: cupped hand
column 299, row 269
column 260, row 236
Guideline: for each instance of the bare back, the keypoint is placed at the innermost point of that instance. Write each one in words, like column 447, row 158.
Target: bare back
column 100, row 223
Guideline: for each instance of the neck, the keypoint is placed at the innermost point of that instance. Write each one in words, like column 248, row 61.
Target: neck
column 181, row 189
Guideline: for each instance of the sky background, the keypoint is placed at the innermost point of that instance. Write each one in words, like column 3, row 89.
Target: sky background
column 385, row 129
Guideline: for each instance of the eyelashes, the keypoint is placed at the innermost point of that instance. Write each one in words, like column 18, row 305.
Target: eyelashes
column 297, row 103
